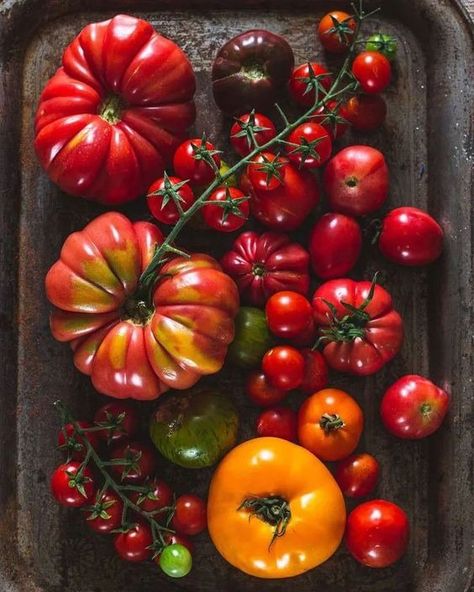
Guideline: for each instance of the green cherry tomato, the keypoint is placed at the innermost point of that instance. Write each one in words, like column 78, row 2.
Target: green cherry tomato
column 252, row 338
column 382, row 43
column 176, row 561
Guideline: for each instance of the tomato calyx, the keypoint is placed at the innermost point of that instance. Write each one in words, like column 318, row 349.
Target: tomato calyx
column 130, row 462
column 77, row 480
column 331, row 422
column 307, row 149
column 111, row 109
column 202, row 152
column 248, row 129
column 170, row 193
column 99, row 509
column 258, row 269
column 230, row 205
column 426, row 409
column 313, row 81
column 274, row 510
column 342, row 29
column 137, row 310
column 253, row 70
column 271, row 168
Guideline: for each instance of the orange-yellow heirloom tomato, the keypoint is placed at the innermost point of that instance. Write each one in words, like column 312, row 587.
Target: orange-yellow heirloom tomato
column 274, row 510
column 139, row 340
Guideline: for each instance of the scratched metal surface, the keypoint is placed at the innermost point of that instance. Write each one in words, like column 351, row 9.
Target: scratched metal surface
column 428, row 142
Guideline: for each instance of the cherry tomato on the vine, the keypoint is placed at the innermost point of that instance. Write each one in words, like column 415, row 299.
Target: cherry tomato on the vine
column 366, row 112
column 304, row 79
column 357, row 475
column 193, row 161
column 248, row 126
column 69, row 441
column 133, row 545
column 316, row 373
column 373, row 71
column 333, row 117
column 105, row 514
column 158, row 495
column 288, row 314
column 278, row 422
column 70, row 486
column 309, row 145
column 122, row 420
column 139, row 462
column 264, row 171
column 176, row 561
column 283, row 365
column 336, row 31
column 230, row 216
column 162, row 197
column 261, row 392
column 190, row 516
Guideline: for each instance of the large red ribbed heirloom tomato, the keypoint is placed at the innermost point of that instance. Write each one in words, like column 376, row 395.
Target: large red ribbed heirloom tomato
column 111, row 117
column 137, row 339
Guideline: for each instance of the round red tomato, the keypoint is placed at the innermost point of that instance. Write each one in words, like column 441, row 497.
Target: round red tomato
column 278, row 422
column 163, row 195
column 139, row 462
column 157, row 495
column 366, row 112
column 264, row 171
column 306, row 338
column 309, row 145
column 373, row 71
column 316, row 373
column 335, row 245
column 105, row 514
column 232, row 214
column 377, row 533
column 356, row 180
column 72, row 443
column 250, row 129
column 196, row 160
column 333, row 117
column 120, row 421
column 283, row 365
column 336, row 31
column 304, row 80
column 413, row 407
column 133, row 545
column 70, row 487
column 190, row 516
column 410, row 236
column 261, row 392
column 288, row 314
column 357, row 475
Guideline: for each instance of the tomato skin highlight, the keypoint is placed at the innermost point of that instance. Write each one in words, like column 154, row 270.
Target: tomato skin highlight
column 330, row 40
column 373, row 71
column 190, row 517
column 133, row 544
column 261, row 392
column 278, row 422
column 357, row 475
column 297, row 85
column 366, row 113
column 288, row 314
column 65, row 494
column 283, row 365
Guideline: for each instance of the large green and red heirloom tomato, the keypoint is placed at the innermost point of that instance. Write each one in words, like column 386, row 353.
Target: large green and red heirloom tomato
column 133, row 341
column 111, row 117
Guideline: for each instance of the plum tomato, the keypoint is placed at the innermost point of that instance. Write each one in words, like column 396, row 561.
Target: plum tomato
column 139, row 462
column 193, row 161
column 413, row 407
column 248, row 128
column 278, row 422
column 377, row 533
column 69, row 441
column 336, row 31
column 176, row 560
column 105, row 514
column 385, row 44
column 261, row 392
column 356, row 180
column 121, row 419
column 232, row 214
column 70, row 486
column 190, row 516
column 333, row 117
column 316, row 373
column 309, row 145
column 288, row 314
column 373, row 71
column 283, row 365
column 133, row 545
column 157, row 495
column 163, row 195
column 366, row 113
column 303, row 81
column 357, row 475
column 264, row 171
column 410, row 236
column 335, row 244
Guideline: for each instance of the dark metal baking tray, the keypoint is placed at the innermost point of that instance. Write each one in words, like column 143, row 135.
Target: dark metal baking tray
column 429, row 145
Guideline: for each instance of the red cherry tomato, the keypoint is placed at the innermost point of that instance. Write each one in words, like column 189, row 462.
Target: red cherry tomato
column 105, row 514
column 160, row 199
column 366, row 112
column 288, row 314
column 336, row 31
column 190, row 515
column 264, row 171
column 283, row 365
column 158, row 495
column 251, row 124
column 335, row 245
column 333, row 117
column 373, row 71
column 413, row 407
column 410, row 236
column 139, row 462
column 231, row 216
column 191, row 161
column 122, row 417
column 261, row 392
column 357, row 475
column 377, row 533
column 316, row 373
column 133, row 544
column 309, row 146
column 71, row 489
column 278, row 422
column 300, row 86
column 72, row 443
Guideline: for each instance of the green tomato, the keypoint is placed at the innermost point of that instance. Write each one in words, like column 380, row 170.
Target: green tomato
column 385, row 44
column 176, row 561
column 195, row 428
column 252, row 338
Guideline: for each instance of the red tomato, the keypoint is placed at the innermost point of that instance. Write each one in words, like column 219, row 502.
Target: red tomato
column 303, row 80
column 356, row 180
column 336, row 31
column 139, row 461
column 192, row 161
column 373, row 71
column 105, row 514
column 283, row 365
column 158, row 495
column 377, row 533
column 288, row 314
column 232, row 215
column 309, row 146
column 70, row 488
column 335, row 245
column 366, row 112
column 278, row 422
column 248, row 127
column 357, row 475
column 264, row 171
column 133, row 544
column 261, row 392
column 359, row 342
column 122, row 419
column 305, row 338
column 333, row 117
column 190, row 516
column 410, row 236
column 315, row 372
column 72, row 443
column 413, row 407
column 160, row 199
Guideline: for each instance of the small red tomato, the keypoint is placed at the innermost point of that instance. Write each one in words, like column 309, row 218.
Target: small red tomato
column 105, row 514
column 305, row 338
column 309, row 145
column 71, row 488
column 134, row 544
column 410, row 236
column 249, row 126
column 316, row 373
column 336, row 31
column 278, row 422
column 72, row 443
column 333, row 117
column 288, row 314
column 190, row 516
column 377, row 533
column 158, row 495
column 335, row 245
column 357, row 475
column 303, row 80
column 373, row 71
column 122, row 420
column 230, row 216
column 261, row 392
column 139, row 462
column 283, row 365
column 413, row 407
column 161, row 198
column 366, row 112
column 192, row 161
column 264, row 171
